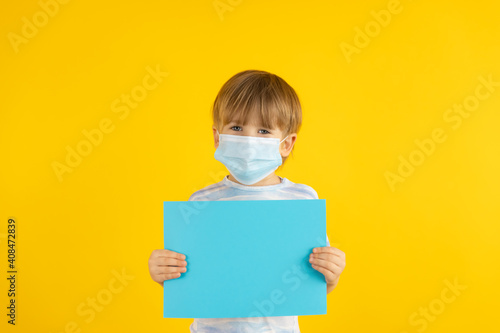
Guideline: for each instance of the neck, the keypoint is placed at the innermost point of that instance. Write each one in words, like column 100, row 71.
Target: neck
column 272, row 179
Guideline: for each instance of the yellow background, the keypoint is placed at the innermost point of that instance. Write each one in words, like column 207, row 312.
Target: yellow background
column 441, row 223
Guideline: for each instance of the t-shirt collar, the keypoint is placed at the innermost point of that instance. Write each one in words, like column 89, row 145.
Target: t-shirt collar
column 228, row 182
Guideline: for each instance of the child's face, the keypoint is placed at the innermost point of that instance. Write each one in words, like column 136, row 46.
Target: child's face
column 253, row 128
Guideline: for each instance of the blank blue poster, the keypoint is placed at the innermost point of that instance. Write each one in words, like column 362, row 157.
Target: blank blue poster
column 245, row 258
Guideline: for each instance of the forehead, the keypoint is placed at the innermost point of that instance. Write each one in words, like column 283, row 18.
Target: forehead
column 251, row 118
column 253, row 115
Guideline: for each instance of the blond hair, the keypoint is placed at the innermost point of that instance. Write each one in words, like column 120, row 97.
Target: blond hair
column 275, row 102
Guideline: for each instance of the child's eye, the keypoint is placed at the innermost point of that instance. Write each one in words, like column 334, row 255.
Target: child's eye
column 266, row 131
column 237, row 127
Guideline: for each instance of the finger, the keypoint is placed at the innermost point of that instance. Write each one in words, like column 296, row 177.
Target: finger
column 169, row 254
column 325, row 256
column 329, row 276
column 329, row 257
column 327, row 264
column 329, row 249
column 170, row 276
column 324, row 249
column 164, row 261
column 171, row 270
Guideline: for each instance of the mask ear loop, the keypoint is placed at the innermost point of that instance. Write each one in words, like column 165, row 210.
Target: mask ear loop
column 218, row 134
column 278, row 148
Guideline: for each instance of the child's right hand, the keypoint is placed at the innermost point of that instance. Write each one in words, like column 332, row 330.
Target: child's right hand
column 166, row 265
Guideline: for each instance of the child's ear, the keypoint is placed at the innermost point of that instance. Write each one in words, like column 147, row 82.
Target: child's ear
column 216, row 137
column 287, row 145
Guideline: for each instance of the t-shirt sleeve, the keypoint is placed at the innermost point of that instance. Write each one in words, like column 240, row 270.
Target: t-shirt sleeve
column 200, row 195
column 327, row 241
column 194, row 197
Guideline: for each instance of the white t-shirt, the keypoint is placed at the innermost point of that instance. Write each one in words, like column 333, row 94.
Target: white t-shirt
column 229, row 190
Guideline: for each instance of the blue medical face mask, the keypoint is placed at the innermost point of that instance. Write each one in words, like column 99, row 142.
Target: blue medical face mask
column 248, row 158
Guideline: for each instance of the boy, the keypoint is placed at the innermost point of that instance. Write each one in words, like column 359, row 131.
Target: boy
column 256, row 117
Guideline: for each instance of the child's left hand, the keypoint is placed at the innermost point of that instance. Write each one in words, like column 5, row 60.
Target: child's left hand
column 328, row 260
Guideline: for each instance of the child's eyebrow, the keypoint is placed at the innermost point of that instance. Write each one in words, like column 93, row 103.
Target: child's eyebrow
column 260, row 126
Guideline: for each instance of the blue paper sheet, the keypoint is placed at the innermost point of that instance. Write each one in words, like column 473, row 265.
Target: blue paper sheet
column 245, row 258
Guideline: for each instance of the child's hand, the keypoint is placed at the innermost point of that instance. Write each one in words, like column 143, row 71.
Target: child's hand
column 330, row 261
column 166, row 265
